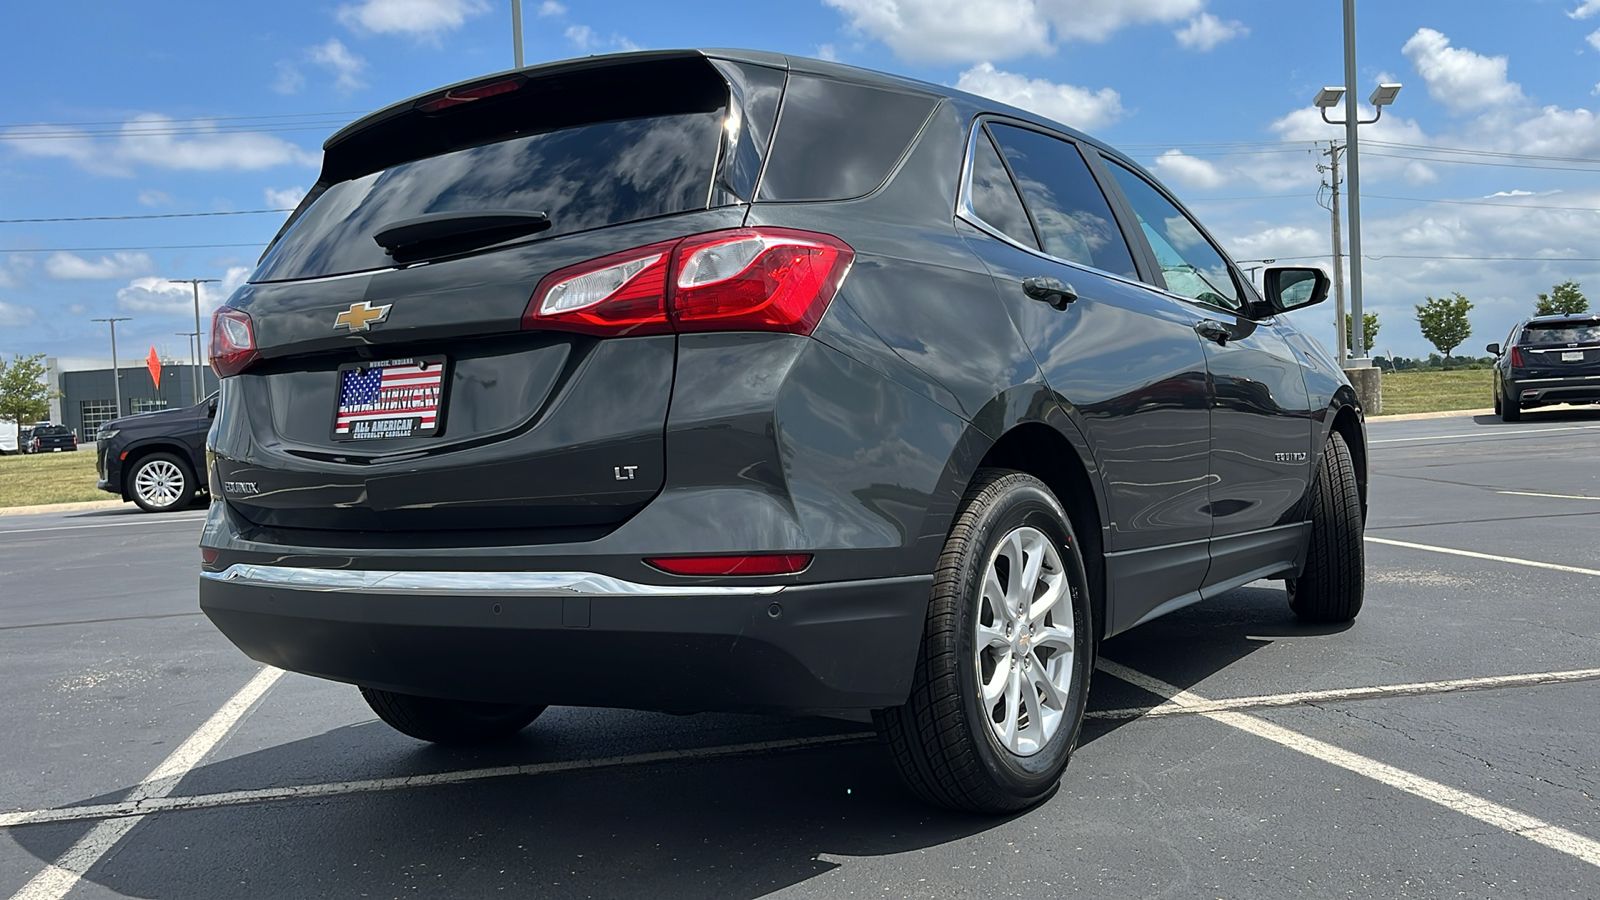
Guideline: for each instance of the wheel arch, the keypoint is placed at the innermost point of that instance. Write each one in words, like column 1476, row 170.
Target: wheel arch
column 137, row 452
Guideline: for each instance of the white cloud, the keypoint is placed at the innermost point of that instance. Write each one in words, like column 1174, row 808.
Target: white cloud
column 1205, row 31
column 422, row 19
column 1594, row 39
column 153, row 197
column 582, row 36
column 290, row 79
column 77, row 309
column 345, row 66
column 1069, row 104
column 14, row 316
column 1417, row 172
column 70, row 267
column 552, row 8
column 149, row 140
column 1179, row 168
column 827, row 52
column 1462, row 80
column 1510, row 193
column 1585, row 9
column 585, row 38
column 158, row 296
column 288, row 198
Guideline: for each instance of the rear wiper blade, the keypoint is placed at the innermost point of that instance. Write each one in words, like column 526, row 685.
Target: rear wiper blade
column 440, row 234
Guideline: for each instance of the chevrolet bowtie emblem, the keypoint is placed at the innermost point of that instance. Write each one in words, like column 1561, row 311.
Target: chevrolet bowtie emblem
column 361, row 316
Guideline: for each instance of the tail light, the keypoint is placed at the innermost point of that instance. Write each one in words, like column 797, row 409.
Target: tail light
column 743, row 279
column 738, row 564
column 1516, row 357
column 233, row 342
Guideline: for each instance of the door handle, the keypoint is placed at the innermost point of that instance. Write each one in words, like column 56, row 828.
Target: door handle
column 1212, row 330
column 1053, row 291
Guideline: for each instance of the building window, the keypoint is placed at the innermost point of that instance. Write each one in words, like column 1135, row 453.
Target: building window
column 144, row 405
column 96, row 413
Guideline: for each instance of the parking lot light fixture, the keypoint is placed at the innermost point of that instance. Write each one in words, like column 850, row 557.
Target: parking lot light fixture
column 1383, row 95
column 1328, row 97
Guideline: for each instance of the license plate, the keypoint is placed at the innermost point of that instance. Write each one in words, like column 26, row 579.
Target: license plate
column 394, row 398
column 1572, row 356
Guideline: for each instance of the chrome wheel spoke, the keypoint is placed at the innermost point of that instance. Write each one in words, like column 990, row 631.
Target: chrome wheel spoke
column 992, row 637
column 1054, row 637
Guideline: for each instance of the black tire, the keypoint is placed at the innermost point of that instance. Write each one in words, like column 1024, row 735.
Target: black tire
column 1332, row 586
column 449, row 721
column 161, row 482
column 943, row 739
column 1510, row 410
column 1497, row 406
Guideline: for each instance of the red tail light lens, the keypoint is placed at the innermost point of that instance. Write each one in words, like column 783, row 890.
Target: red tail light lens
column 233, row 342
column 467, row 95
column 1516, row 356
column 742, row 564
column 744, row 279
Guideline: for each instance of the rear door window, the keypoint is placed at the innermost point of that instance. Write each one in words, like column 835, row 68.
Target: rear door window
column 837, row 140
column 584, row 177
column 1192, row 266
column 1068, row 209
column 994, row 197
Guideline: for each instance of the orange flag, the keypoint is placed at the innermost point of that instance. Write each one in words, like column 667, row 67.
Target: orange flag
column 153, row 363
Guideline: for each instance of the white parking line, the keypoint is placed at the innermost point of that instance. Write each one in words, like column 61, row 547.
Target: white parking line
column 1489, row 556
column 1484, row 434
column 1486, row 811
column 1553, row 496
column 1335, row 695
column 163, row 520
column 59, row 877
column 137, row 808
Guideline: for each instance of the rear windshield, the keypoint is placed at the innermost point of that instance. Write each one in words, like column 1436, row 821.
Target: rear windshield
column 1561, row 333
column 50, row 430
column 585, row 177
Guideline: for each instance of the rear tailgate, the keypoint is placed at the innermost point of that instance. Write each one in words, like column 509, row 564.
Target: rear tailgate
column 1561, row 348
column 514, row 428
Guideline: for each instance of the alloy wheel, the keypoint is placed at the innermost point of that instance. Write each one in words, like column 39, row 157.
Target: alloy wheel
column 159, row 483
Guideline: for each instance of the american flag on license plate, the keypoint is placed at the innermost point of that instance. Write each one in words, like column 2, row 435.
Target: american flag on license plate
column 386, row 392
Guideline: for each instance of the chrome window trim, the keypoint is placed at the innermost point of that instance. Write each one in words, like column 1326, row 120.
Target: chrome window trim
column 468, row 584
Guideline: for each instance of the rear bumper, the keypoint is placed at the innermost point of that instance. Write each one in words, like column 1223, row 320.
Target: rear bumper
column 580, row 639
column 1544, row 391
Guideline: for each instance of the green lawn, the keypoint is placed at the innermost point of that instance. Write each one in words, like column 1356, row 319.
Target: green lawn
column 1437, row 391
column 49, row 478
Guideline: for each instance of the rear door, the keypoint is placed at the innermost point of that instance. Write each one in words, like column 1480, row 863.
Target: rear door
column 1125, row 359
column 1261, row 430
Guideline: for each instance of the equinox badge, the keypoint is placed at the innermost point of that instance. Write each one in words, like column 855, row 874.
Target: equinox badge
column 361, row 316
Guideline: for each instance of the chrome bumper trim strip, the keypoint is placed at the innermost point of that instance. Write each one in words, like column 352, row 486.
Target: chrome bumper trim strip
column 469, row 584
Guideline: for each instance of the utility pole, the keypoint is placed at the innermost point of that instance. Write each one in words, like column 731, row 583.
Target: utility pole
column 193, row 337
column 516, row 31
column 116, row 373
column 1333, row 151
column 1352, row 119
column 196, row 282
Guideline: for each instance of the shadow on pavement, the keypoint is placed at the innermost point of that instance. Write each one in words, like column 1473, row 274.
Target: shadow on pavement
column 741, row 826
column 1545, row 414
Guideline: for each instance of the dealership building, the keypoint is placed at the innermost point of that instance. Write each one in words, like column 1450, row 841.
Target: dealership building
column 85, row 390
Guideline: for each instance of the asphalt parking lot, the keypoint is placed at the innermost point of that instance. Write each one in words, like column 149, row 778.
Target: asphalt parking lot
column 1447, row 744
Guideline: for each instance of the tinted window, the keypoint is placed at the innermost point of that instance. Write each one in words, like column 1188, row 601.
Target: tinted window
column 1192, row 266
column 1072, row 215
column 1561, row 333
column 585, row 177
column 837, row 140
column 994, row 197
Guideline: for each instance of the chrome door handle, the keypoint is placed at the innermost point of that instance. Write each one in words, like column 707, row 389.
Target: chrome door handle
column 1212, row 330
column 1049, row 290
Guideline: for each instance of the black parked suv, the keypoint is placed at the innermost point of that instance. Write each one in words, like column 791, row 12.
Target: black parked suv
column 723, row 380
column 156, row 459
column 1547, row 360
column 49, row 438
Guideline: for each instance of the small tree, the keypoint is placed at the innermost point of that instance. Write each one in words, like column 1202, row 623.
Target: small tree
column 1369, row 331
column 24, row 396
column 1563, row 300
column 1444, row 322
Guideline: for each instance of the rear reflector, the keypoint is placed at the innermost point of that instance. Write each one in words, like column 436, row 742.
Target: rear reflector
column 743, row 279
column 208, row 555
column 233, row 341
column 757, row 564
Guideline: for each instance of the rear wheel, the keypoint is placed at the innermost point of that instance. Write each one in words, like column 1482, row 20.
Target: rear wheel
column 1002, row 678
column 1509, row 409
column 449, row 721
column 1497, row 407
column 161, row 482
column 1331, row 587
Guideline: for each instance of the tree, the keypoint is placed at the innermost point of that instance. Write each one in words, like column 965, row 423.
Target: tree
column 1444, row 322
column 24, row 396
column 1369, row 330
column 1563, row 300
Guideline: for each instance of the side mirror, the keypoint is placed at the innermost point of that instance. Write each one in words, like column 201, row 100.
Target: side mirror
column 1291, row 288
column 1493, row 348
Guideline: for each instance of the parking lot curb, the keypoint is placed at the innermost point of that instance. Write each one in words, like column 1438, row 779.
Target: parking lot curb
column 58, row 507
column 1446, row 414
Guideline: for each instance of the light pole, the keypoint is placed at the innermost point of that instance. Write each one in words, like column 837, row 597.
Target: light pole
column 196, row 282
column 516, row 31
column 116, row 373
column 193, row 337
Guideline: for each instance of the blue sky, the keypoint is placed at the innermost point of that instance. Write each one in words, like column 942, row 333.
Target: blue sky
column 163, row 108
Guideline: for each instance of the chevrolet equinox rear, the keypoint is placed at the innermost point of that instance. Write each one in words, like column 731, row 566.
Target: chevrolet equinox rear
column 720, row 380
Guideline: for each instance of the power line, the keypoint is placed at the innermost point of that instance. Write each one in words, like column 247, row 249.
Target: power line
column 100, row 249
column 356, row 112
column 237, row 212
